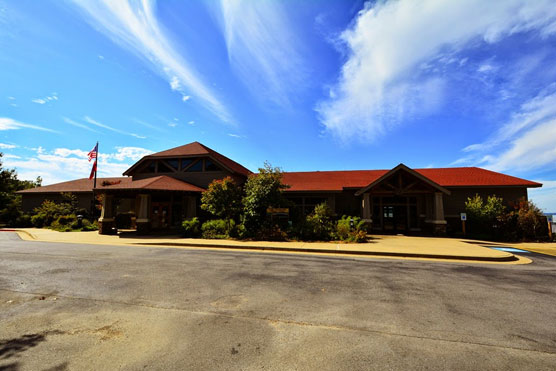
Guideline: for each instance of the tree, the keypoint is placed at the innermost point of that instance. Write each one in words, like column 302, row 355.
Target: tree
column 10, row 202
column 485, row 218
column 531, row 222
column 223, row 199
column 262, row 190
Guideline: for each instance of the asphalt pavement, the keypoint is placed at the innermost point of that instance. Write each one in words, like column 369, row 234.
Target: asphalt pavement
column 91, row 307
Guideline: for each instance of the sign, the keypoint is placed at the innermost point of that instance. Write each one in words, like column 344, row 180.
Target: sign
column 278, row 210
column 463, row 216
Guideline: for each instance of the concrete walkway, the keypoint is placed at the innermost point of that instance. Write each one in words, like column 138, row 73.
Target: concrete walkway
column 378, row 246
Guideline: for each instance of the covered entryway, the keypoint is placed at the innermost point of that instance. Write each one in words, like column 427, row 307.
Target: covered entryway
column 158, row 204
column 404, row 201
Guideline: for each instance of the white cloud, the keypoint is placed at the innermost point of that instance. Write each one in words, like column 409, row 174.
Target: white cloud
column 63, row 164
column 7, row 146
column 381, row 82
column 175, row 83
column 263, row 47
column 47, row 99
column 234, row 135
column 107, row 127
column 138, row 136
column 7, row 123
column 11, row 98
column 545, row 197
column 526, row 142
column 79, row 125
column 172, row 124
column 135, row 26
column 191, row 122
column 486, row 68
column 185, row 98
column 101, row 57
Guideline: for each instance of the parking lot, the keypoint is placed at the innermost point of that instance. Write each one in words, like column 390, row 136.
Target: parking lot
column 72, row 306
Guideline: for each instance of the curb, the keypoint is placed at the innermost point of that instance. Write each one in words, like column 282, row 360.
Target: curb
column 509, row 258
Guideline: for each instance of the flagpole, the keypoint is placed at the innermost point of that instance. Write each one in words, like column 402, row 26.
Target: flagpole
column 96, row 168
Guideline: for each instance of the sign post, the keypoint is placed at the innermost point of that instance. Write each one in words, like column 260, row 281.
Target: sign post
column 463, row 217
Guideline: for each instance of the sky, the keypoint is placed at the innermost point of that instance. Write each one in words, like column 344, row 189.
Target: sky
column 305, row 85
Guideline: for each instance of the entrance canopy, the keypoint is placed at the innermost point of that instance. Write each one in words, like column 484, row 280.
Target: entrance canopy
column 402, row 180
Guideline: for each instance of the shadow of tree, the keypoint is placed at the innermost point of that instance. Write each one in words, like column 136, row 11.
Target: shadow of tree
column 10, row 367
column 11, row 347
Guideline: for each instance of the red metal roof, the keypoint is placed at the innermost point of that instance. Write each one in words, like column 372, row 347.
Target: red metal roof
column 446, row 177
column 198, row 149
column 78, row 185
column 157, row 183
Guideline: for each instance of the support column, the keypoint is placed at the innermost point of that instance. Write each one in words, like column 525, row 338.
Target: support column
column 439, row 223
column 366, row 207
column 191, row 210
column 143, row 222
column 106, row 220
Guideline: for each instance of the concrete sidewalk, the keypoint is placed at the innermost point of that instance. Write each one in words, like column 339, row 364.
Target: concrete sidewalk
column 378, row 246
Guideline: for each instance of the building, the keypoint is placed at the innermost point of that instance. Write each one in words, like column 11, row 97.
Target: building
column 163, row 188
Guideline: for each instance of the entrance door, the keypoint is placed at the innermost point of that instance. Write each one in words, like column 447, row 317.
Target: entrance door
column 394, row 218
column 160, row 215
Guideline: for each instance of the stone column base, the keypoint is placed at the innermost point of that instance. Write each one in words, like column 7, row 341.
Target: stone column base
column 106, row 226
column 143, row 227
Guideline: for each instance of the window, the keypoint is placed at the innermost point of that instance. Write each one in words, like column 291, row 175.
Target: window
column 211, row 166
column 185, row 162
column 149, row 168
column 174, row 163
column 163, row 168
column 198, row 166
column 388, row 211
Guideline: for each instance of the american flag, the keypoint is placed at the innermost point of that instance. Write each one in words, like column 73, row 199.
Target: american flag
column 93, row 153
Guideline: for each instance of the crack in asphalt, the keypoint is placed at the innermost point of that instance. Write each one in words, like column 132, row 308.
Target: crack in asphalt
column 283, row 321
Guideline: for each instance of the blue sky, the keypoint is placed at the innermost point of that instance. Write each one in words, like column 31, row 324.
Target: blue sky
column 312, row 85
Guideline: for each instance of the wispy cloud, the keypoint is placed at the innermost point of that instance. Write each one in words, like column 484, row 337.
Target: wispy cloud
column 135, row 26
column 235, row 135
column 263, row 47
column 382, row 82
column 79, row 125
column 7, row 123
column 544, row 196
column 7, row 146
column 63, row 164
column 47, row 99
column 527, row 141
column 108, row 127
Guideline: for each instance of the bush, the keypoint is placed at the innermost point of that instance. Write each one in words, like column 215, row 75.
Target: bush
column 485, row 219
column 50, row 211
column 319, row 224
column 351, row 229
column 223, row 199
column 217, row 228
column 191, row 228
column 531, row 222
column 89, row 226
column 65, row 223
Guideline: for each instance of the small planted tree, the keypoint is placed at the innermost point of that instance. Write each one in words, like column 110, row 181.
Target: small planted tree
column 223, row 199
column 485, row 217
column 262, row 190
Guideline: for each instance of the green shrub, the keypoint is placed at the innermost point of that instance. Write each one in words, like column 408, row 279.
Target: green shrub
column 351, row 229
column 50, row 211
column 89, row 226
column 319, row 224
column 485, row 219
column 531, row 222
column 217, row 228
column 64, row 223
column 223, row 198
column 191, row 228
